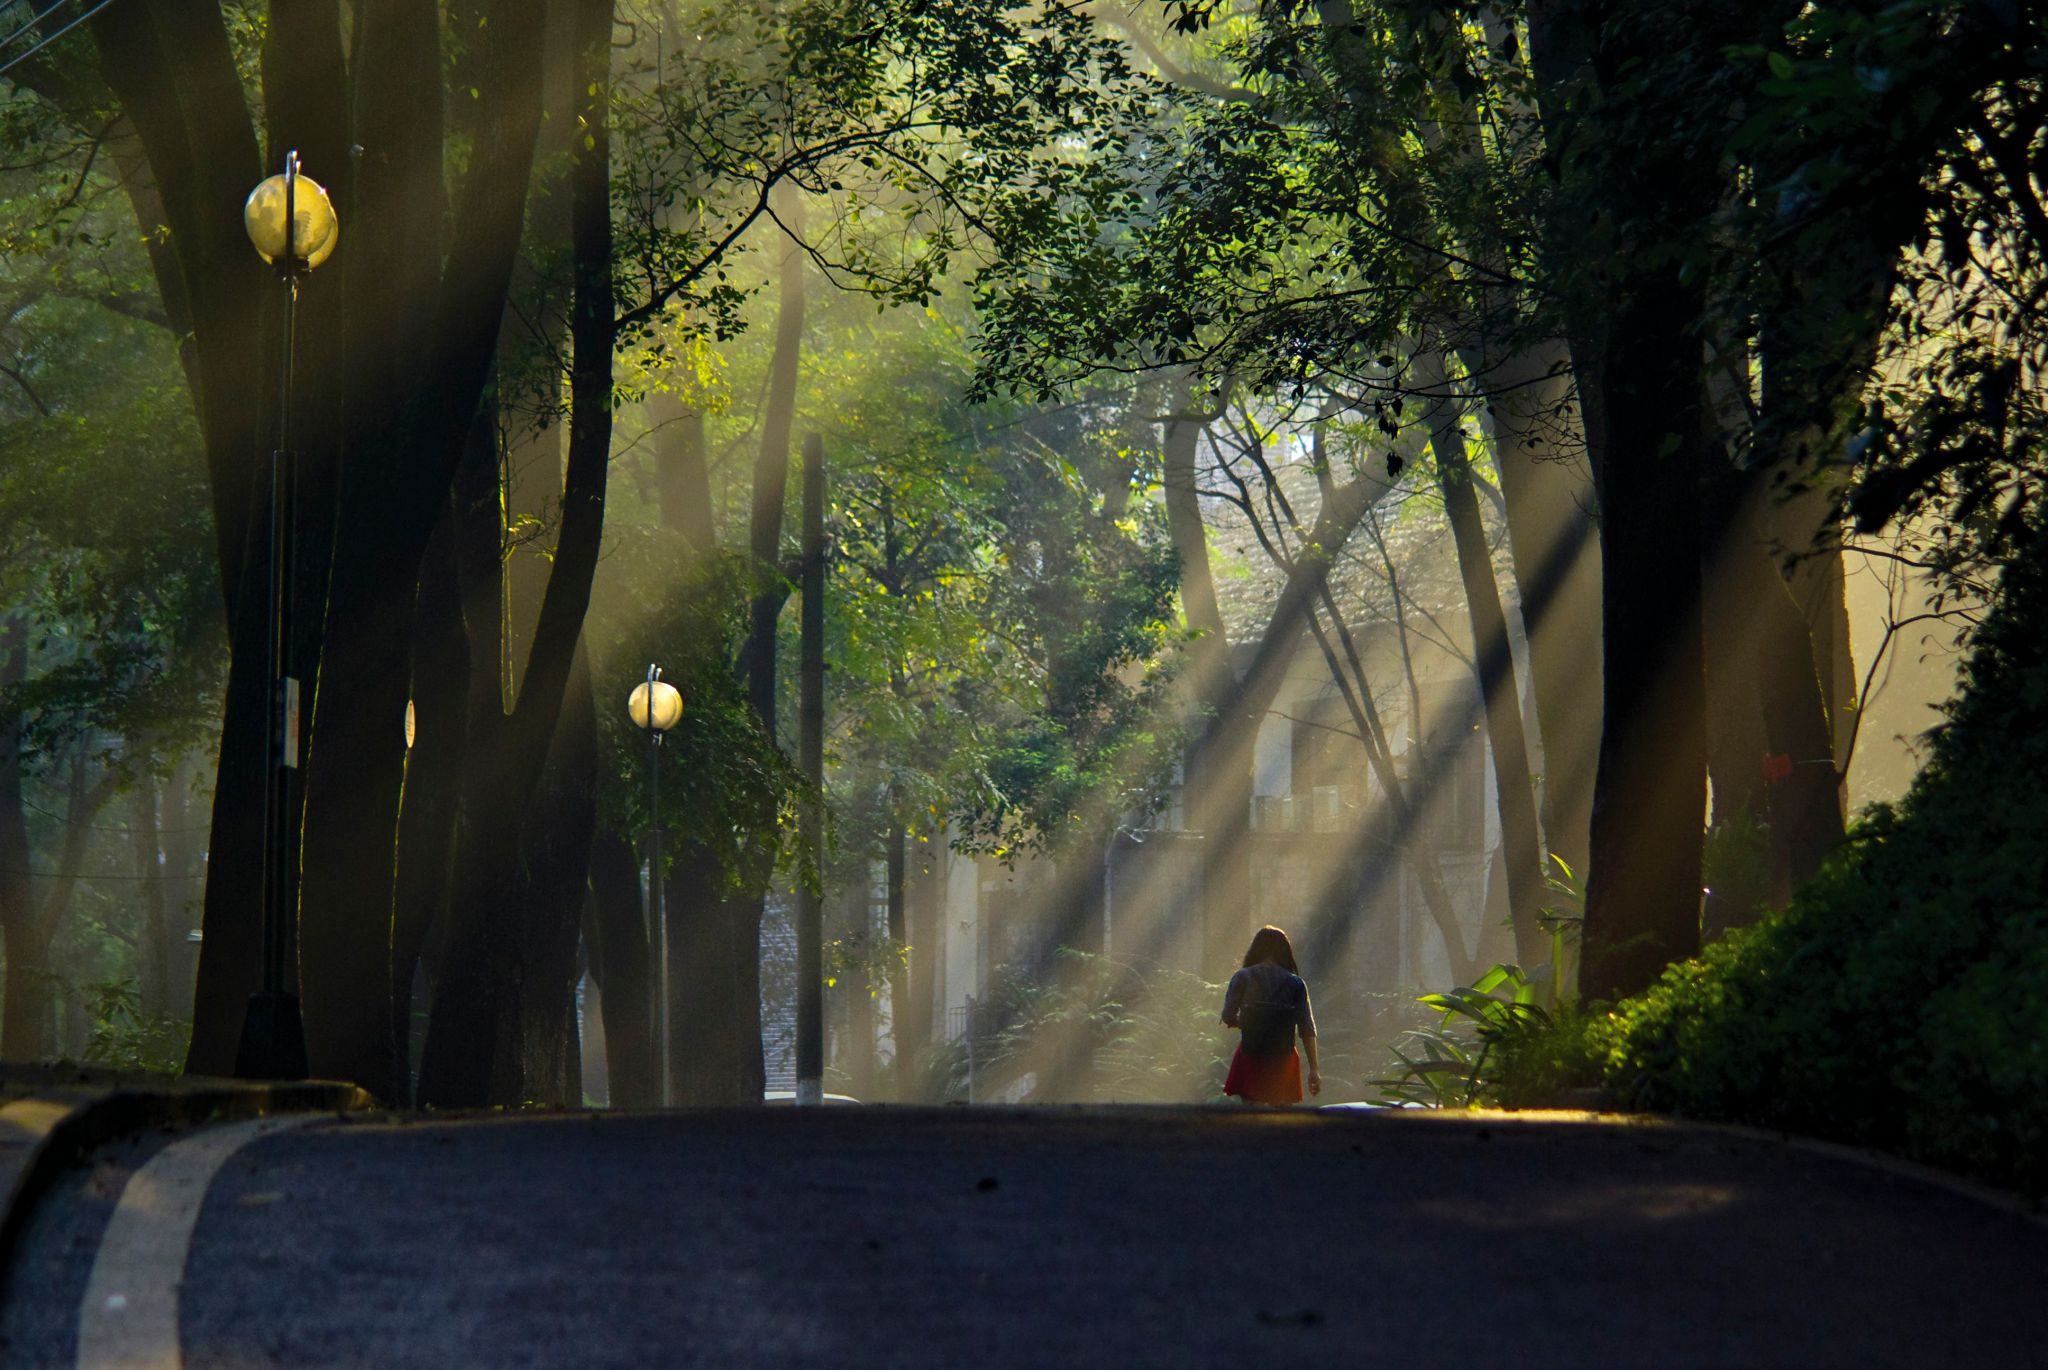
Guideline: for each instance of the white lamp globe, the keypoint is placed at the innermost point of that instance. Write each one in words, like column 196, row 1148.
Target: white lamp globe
column 656, row 699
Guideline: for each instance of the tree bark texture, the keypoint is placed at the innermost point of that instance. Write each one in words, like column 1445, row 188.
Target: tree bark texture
column 1553, row 530
column 396, row 393
column 617, row 935
column 492, row 1019
column 683, row 471
column 1650, row 434
column 733, row 932
column 22, row 1033
column 168, row 64
column 433, row 770
column 810, row 986
column 1493, row 665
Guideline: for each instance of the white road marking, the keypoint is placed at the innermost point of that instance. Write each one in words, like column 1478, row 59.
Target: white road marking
column 128, row 1319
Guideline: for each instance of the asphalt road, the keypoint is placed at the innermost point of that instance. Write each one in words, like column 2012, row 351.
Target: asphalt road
column 989, row 1238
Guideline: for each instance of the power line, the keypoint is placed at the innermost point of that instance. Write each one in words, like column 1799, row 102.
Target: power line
column 11, row 38
column 12, row 63
column 83, row 875
column 68, row 821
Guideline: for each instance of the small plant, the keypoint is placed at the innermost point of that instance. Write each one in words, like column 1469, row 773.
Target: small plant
column 1448, row 1066
column 1561, row 920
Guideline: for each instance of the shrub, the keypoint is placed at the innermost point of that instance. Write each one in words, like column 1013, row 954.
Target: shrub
column 1898, row 1001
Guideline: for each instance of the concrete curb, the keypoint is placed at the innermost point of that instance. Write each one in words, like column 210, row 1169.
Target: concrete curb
column 46, row 1132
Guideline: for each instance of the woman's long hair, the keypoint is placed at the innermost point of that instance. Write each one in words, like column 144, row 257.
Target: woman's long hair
column 1270, row 944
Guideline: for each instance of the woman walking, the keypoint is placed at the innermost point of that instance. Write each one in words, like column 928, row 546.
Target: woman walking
column 1268, row 1003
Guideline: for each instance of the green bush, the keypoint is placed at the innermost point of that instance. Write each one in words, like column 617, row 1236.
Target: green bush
column 1898, row 1002
column 126, row 1037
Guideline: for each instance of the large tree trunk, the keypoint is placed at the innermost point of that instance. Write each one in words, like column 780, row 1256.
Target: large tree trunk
column 1645, row 419
column 22, row 1031
column 1493, row 664
column 556, row 845
column 1217, row 782
column 176, row 80
column 1554, row 533
column 1650, row 433
column 410, row 392
column 529, row 350
column 492, row 1011
column 733, row 932
column 810, row 895
column 435, row 756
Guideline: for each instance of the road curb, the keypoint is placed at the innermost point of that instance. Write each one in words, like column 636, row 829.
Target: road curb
column 46, row 1132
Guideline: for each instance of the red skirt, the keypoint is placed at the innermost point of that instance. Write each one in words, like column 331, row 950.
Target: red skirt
column 1265, row 1079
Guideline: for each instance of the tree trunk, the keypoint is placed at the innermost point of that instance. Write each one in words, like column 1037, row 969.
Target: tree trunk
column 810, row 895
column 434, row 760
column 620, row 963
column 531, row 342
column 556, row 845
column 1493, row 664
column 900, row 1001
column 1643, row 885
column 683, row 472
column 153, row 946
column 19, row 1035
column 491, row 1012
column 1554, row 533
column 925, row 900
column 1649, row 434
column 28, row 1026
column 184, row 845
column 1217, row 783
column 1769, row 641
column 411, row 391
column 175, row 77
column 736, row 982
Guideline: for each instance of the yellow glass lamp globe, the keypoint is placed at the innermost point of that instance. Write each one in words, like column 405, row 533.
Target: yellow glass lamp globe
column 667, row 705
column 314, row 227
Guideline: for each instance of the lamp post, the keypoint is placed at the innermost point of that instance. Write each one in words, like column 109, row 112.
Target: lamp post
column 292, row 225
column 655, row 706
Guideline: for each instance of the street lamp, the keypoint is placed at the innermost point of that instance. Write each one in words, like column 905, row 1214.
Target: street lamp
column 292, row 225
column 655, row 706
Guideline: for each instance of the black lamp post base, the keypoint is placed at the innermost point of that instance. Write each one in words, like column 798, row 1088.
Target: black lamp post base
column 273, row 1045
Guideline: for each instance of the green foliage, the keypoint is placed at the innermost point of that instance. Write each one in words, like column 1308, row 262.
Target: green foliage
column 905, row 119
column 721, row 777
column 1083, row 608
column 126, row 1037
column 1444, row 1065
column 1896, row 1002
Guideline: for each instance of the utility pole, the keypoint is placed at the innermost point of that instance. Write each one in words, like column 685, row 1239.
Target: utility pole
column 810, row 902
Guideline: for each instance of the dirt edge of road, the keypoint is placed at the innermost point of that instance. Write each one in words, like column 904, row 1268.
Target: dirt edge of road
column 48, row 1128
